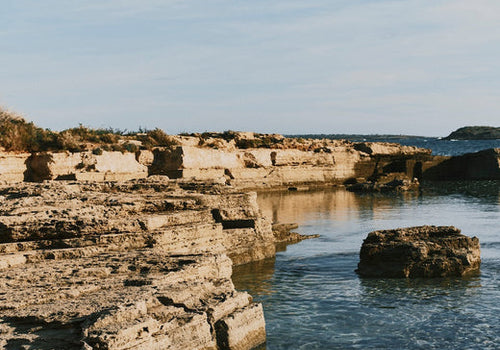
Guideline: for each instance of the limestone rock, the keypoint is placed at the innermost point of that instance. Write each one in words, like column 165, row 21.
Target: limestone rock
column 241, row 330
column 424, row 251
column 140, row 264
column 283, row 234
column 387, row 148
column 12, row 166
column 108, row 166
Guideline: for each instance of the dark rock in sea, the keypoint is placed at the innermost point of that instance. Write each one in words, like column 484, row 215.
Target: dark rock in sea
column 475, row 133
column 423, row 251
column 482, row 165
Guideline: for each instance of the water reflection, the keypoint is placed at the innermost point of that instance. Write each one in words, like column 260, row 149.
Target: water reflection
column 313, row 299
column 298, row 206
column 380, row 291
column 255, row 277
column 284, row 207
column 486, row 190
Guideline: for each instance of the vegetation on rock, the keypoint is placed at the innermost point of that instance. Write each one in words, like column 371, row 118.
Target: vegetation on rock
column 19, row 135
column 475, row 133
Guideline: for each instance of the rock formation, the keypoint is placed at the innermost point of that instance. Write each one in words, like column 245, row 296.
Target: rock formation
column 247, row 161
column 283, row 233
column 425, row 251
column 12, row 166
column 482, row 165
column 143, row 264
column 146, row 264
column 288, row 163
column 283, row 163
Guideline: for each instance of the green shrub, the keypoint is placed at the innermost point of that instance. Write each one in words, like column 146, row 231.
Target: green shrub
column 158, row 137
column 18, row 135
column 131, row 147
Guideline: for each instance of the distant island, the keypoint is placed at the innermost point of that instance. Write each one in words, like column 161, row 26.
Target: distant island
column 475, row 133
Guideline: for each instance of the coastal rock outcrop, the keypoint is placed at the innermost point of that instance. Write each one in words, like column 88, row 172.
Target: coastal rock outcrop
column 283, row 234
column 84, row 166
column 143, row 264
column 239, row 160
column 424, row 251
column 288, row 162
column 12, row 166
column 482, row 165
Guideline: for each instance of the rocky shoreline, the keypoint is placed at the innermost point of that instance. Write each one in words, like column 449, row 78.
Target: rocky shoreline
column 255, row 161
column 142, row 264
column 134, row 250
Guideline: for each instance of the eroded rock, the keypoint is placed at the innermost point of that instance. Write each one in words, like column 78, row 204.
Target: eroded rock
column 424, row 251
column 283, row 233
column 135, row 265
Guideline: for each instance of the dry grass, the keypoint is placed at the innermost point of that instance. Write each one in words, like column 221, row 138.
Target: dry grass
column 18, row 135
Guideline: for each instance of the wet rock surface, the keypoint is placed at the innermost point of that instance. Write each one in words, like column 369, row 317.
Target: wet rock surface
column 424, row 251
column 144, row 264
column 283, row 234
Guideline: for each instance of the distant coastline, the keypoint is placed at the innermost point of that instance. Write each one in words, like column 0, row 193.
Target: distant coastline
column 475, row 133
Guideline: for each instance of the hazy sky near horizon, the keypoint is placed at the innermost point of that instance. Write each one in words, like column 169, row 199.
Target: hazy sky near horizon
column 317, row 66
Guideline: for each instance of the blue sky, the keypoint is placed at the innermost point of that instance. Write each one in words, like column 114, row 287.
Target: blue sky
column 317, row 66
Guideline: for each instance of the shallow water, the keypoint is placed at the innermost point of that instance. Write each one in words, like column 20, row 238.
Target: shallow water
column 313, row 299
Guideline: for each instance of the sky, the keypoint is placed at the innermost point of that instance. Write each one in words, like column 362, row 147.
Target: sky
column 317, row 66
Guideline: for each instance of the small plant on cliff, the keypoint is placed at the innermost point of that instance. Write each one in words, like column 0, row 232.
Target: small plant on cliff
column 130, row 147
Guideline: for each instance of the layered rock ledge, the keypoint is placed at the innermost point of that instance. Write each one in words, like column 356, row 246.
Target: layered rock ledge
column 245, row 161
column 257, row 161
column 424, row 251
column 143, row 264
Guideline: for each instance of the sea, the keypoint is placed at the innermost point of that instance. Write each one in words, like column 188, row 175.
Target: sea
column 313, row 299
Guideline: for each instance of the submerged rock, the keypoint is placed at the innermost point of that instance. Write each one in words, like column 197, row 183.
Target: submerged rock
column 424, row 251
column 395, row 185
column 283, row 234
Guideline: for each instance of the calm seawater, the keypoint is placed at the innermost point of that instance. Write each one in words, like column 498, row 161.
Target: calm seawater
column 313, row 299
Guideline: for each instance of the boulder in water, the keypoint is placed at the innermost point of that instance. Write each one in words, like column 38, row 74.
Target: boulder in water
column 424, row 251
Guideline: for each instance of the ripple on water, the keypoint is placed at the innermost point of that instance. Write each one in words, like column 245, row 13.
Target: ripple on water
column 313, row 299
